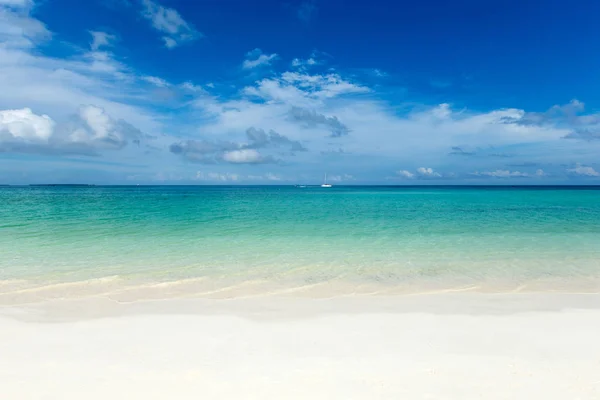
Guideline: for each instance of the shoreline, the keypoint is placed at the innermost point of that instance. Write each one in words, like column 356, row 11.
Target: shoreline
column 275, row 307
column 115, row 288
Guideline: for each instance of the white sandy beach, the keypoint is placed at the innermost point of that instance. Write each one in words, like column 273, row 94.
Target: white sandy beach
column 444, row 346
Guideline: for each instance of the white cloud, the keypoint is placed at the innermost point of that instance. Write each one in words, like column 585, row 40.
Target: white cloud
column 91, row 129
column 583, row 171
column 427, row 173
column 375, row 130
column 101, row 39
column 95, row 127
column 256, row 58
column 169, row 22
column 405, row 174
column 421, row 173
column 189, row 86
column 25, row 125
column 310, row 119
column 325, row 86
column 16, row 3
column 55, row 86
column 18, row 30
column 299, row 63
column 303, row 90
column 245, row 156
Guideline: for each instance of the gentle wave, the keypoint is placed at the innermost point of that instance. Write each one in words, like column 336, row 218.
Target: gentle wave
column 123, row 290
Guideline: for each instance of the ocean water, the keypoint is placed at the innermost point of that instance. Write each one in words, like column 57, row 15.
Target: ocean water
column 153, row 242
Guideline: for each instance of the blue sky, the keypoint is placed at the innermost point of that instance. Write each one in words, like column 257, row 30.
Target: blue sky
column 269, row 92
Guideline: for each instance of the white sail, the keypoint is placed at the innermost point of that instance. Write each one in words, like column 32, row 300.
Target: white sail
column 325, row 184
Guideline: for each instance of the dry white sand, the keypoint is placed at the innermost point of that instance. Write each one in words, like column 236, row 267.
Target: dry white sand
column 460, row 346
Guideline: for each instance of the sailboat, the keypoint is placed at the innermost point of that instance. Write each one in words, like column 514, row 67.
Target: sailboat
column 325, row 184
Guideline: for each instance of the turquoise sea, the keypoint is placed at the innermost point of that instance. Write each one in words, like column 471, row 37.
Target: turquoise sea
column 168, row 241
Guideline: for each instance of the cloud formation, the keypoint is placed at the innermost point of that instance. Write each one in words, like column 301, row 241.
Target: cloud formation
column 214, row 152
column 311, row 119
column 300, row 63
column 585, row 127
column 16, row 3
column 170, row 23
column 258, row 139
column 348, row 117
column 256, row 58
column 582, row 170
column 89, row 130
column 246, row 156
column 420, row 173
column 101, row 39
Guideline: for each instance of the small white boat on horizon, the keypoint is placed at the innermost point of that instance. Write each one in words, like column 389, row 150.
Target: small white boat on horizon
column 325, row 184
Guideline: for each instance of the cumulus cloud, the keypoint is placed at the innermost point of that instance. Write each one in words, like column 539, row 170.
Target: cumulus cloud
column 170, row 23
column 428, row 173
column 310, row 119
column 582, row 170
column 89, row 130
column 556, row 114
column 57, row 86
column 313, row 107
column 202, row 151
column 93, row 127
column 405, row 174
column 258, row 138
column 212, row 152
column 256, row 58
column 568, row 117
column 300, row 63
column 244, row 156
column 25, row 125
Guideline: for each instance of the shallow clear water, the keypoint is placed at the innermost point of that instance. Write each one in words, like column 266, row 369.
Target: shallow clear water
column 284, row 237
